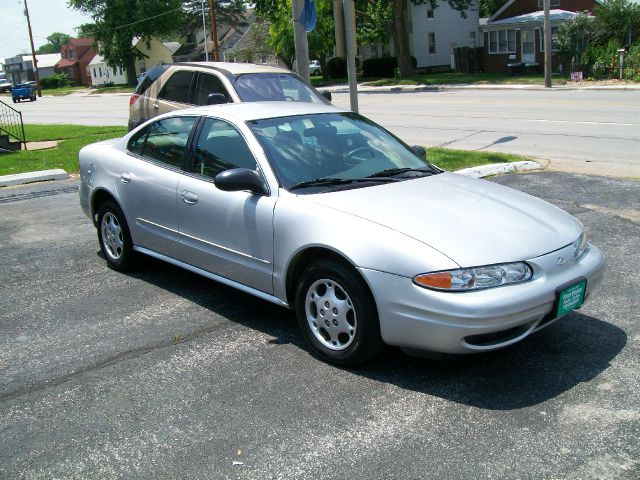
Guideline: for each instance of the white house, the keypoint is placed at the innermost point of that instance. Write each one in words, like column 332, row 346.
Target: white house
column 434, row 33
column 102, row 74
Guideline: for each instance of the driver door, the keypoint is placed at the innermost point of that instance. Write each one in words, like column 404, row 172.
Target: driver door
column 226, row 233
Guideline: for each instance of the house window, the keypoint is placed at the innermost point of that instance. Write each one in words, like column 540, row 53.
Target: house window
column 502, row 41
column 94, row 72
column 263, row 59
column 374, row 51
column 472, row 39
column 429, row 11
column 431, row 42
column 554, row 3
column 72, row 54
column 554, row 30
column 100, row 71
column 143, row 67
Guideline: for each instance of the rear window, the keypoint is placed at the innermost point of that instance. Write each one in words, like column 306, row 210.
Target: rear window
column 151, row 76
column 256, row 87
column 178, row 87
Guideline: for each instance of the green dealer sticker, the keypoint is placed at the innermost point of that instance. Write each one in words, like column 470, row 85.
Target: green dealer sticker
column 571, row 298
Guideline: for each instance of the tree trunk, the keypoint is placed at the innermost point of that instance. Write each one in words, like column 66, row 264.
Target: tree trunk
column 401, row 39
column 131, row 72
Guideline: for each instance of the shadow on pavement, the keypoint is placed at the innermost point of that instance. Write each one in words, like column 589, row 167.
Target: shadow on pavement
column 575, row 349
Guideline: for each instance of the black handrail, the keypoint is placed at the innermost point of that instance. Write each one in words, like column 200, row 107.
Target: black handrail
column 11, row 123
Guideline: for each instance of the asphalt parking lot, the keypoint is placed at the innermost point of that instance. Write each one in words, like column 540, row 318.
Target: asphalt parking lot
column 163, row 374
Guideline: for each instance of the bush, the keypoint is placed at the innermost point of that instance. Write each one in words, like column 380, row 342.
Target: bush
column 55, row 81
column 337, row 67
column 382, row 67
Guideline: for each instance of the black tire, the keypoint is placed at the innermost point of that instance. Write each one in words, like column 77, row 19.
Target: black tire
column 366, row 341
column 316, row 73
column 35, row 97
column 122, row 257
column 15, row 101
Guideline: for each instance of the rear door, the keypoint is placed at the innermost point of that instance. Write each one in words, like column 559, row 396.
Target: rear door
column 175, row 94
column 148, row 180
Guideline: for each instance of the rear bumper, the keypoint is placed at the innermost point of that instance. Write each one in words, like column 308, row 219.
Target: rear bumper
column 413, row 317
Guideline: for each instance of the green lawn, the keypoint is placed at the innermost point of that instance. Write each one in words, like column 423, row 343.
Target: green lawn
column 64, row 156
column 114, row 89
column 447, row 78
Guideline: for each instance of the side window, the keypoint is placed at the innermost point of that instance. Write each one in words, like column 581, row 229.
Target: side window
column 177, row 87
column 167, row 139
column 208, row 84
column 136, row 144
column 220, row 147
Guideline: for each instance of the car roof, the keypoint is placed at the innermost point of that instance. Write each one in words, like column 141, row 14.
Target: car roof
column 247, row 111
column 231, row 68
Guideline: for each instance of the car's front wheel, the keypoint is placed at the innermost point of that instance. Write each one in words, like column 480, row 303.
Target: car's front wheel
column 316, row 73
column 114, row 237
column 337, row 313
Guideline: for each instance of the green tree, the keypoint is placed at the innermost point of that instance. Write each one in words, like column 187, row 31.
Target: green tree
column 573, row 36
column 228, row 12
column 118, row 22
column 321, row 39
column 617, row 20
column 490, row 7
column 54, row 42
column 86, row 30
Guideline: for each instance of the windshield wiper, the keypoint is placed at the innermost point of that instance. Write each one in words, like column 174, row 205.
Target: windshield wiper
column 389, row 172
column 320, row 182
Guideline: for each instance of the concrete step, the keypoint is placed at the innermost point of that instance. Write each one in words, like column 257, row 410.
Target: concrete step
column 8, row 145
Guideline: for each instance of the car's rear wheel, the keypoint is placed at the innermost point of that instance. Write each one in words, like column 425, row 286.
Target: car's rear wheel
column 114, row 237
column 316, row 73
column 337, row 313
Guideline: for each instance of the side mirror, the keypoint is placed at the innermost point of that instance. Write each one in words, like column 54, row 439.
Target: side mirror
column 419, row 151
column 216, row 99
column 239, row 179
column 326, row 94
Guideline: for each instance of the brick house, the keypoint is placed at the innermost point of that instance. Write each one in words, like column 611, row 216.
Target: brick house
column 77, row 53
column 514, row 38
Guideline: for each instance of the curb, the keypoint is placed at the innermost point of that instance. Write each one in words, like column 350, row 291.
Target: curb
column 427, row 88
column 29, row 177
column 499, row 168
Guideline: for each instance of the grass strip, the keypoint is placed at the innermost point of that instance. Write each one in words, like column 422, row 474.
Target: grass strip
column 74, row 137
column 450, row 159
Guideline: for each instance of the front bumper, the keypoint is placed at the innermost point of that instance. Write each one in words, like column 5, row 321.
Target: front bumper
column 413, row 317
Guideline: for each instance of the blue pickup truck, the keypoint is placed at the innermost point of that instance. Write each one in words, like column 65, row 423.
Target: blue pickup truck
column 23, row 91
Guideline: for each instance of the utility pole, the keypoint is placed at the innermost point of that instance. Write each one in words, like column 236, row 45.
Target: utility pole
column 338, row 20
column 350, row 37
column 214, row 33
column 300, row 39
column 204, row 31
column 547, row 44
column 33, row 50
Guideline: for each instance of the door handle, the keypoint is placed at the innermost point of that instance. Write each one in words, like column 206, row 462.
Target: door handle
column 156, row 106
column 189, row 198
column 125, row 177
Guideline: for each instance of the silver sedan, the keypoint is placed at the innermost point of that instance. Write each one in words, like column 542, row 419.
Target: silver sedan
column 322, row 211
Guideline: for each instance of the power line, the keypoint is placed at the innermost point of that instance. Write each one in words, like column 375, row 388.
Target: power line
column 139, row 21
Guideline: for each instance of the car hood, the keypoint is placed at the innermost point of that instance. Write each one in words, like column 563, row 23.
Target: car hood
column 473, row 222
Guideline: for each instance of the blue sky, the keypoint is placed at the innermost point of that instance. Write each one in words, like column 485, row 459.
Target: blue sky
column 47, row 16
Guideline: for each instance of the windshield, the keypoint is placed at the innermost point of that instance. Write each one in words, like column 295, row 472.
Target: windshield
column 335, row 146
column 257, row 87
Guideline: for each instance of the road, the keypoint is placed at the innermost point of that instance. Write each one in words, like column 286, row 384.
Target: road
column 595, row 132
column 162, row 374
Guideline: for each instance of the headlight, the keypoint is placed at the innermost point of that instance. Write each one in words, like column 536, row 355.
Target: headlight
column 580, row 246
column 476, row 278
